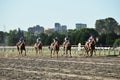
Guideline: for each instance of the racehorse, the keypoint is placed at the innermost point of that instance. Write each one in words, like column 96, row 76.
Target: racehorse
column 38, row 47
column 90, row 48
column 67, row 47
column 55, row 48
column 21, row 47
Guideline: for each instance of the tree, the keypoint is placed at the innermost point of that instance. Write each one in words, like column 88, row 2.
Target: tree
column 2, row 37
column 102, row 39
column 117, row 30
column 110, row 38
column 107, row 25
column 117, row 42
column 107, row 39
column 30, row 39
column 12, row 38
column 99, row 25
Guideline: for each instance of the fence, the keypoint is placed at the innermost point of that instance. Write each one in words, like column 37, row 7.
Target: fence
column 75, row 49
column 106, row 51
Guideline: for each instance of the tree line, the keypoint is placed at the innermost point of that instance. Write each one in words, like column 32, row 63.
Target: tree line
column 106, row 30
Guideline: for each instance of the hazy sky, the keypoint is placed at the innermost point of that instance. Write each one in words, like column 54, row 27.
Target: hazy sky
column 28, row 13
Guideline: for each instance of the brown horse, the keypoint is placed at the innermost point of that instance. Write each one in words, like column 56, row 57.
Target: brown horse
column 38, row 47
column 67, row 47
column 21, row 47
column 90, row 47
column 55, row 48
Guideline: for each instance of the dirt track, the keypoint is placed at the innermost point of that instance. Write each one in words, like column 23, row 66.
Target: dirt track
column 45, row 68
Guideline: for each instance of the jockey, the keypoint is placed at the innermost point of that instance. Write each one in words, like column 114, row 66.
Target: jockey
column 21, row 39
column 91, row 39
column 38, row 39
column 66, row 39
column 55, row 39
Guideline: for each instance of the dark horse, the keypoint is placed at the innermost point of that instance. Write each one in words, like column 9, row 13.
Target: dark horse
column 55, row 48
column 38, row 47
column 21, row 47
column 67, row 47
column 90, row 48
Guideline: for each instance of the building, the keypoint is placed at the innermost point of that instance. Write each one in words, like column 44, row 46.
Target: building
column 60, row 28
column 57, row 27
column 36, row 29
column 80, row 25
column 64, row 28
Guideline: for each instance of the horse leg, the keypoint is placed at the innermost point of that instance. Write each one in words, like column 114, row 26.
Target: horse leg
column 63, row 52
column 91, row 53
column 51, row 53
column 57, row 53
column 70, row 53
column 21, row 52
column 94, row 52
column 86, row 53
column 38, row 50
column 66, row 53
column 18, row 51
column 41, row 51
column 25, row 52
column 54, row 52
